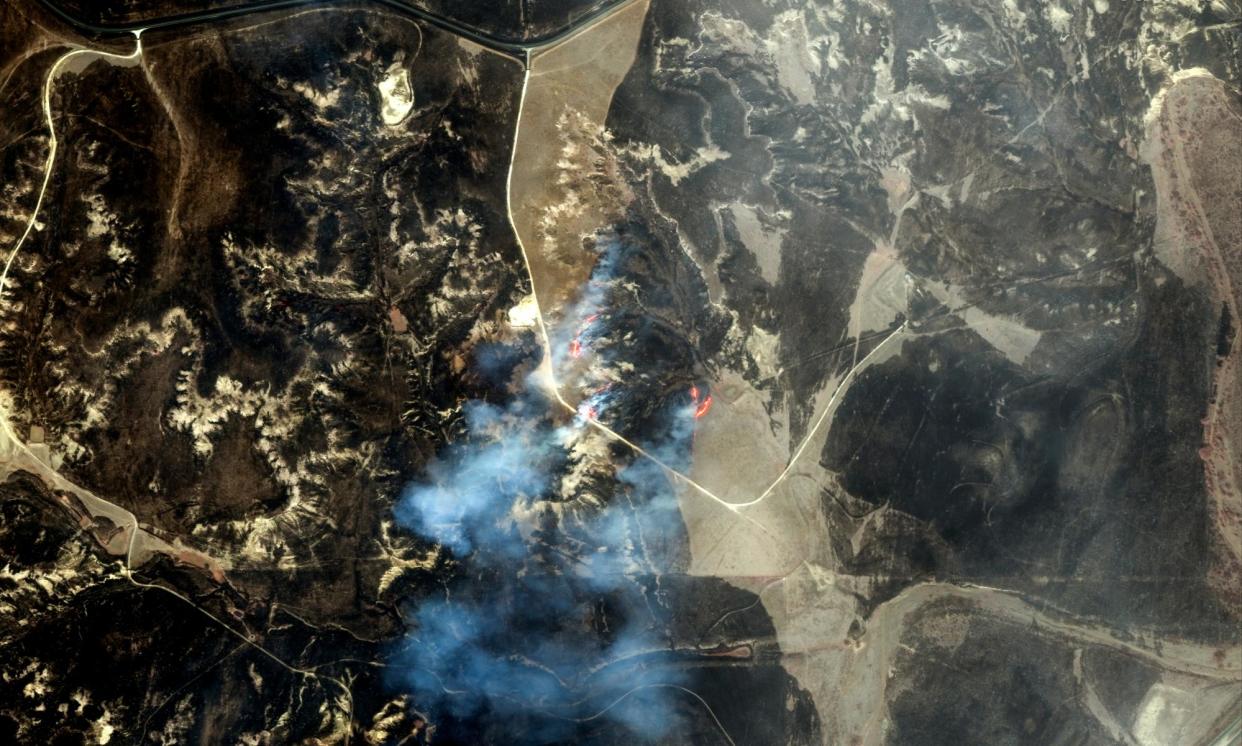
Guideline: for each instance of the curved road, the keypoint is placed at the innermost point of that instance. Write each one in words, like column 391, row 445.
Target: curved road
column 1185, row 658
column 517, row 48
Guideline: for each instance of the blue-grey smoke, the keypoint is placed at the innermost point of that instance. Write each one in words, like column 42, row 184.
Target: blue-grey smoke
column 556, row 622
column 470, row 488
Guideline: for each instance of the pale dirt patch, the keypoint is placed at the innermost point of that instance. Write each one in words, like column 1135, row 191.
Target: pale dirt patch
column 761, row 237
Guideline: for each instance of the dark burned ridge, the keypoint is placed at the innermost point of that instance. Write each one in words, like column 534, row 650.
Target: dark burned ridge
column 514, row 47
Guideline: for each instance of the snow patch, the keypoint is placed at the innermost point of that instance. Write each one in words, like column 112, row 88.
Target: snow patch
column 396, row 94
column 525, row 314
column 321, row 99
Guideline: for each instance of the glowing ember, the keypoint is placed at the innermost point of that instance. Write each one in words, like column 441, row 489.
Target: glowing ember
column 700, row 406
column 704, row 405
column 575, row 346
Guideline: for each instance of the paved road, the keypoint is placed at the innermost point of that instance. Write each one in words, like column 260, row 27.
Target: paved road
column 516, row 48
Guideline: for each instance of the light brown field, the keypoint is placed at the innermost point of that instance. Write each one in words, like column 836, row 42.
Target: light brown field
column 1195, row 148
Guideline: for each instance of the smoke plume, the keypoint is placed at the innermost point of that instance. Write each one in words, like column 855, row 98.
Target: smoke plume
column 555, row 625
